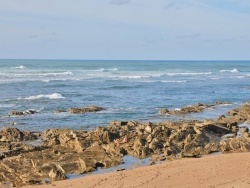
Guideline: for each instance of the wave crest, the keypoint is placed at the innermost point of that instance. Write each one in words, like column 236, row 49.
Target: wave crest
column 232, row 71
column 51, row 96
column 107, row 70
column 174, row 81
column 188, row 73
column 43, row 74
column 19, row 67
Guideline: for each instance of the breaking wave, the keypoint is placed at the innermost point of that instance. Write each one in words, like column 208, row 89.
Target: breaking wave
column 19, row 67
column 174, row 81
column 188, row 73
column 106, row 70
column 51, row 96
column 232, row 71
column 42, row 74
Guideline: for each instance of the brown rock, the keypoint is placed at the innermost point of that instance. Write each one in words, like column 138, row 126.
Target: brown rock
column 85, row 109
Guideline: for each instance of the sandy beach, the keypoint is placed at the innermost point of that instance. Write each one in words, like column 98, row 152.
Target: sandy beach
column 225, row 170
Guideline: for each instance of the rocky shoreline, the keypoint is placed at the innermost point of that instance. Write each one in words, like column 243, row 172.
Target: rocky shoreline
column 65, row 151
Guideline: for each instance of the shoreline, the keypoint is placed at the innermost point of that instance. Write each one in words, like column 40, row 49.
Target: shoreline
column 226, row 170
column 62, row 152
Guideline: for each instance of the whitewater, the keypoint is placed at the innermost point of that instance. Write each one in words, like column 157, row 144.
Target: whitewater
column 128, row 90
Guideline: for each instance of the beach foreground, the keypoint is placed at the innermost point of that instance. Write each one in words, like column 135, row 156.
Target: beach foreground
column 225, row 170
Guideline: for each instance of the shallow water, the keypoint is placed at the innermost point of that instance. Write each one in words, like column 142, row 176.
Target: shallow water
column 129, row 162
column 129, row 90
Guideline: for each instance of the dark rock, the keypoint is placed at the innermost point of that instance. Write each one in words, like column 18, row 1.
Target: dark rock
column 85, row 109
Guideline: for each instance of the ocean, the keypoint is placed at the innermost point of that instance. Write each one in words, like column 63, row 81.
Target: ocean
column 129, row 90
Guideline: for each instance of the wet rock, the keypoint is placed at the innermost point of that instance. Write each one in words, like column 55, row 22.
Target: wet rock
column 197, row 108
column 22, row 113
column 16, row 113
column 66, row 151
column 164, row 111
column 60, row 111
column 186, row 110
column 85, row 109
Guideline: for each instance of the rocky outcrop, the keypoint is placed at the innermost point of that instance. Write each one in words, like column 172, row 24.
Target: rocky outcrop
column 65, row 151
column 236, row 144
column 85, row 109
column 15, row 135
column 22, row 113
column 197, row 108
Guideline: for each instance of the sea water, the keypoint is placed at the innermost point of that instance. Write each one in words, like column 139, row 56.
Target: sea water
column 129, row 90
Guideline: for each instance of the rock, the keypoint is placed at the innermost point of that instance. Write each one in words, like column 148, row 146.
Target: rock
column 244, row 129
column 236, row 144
column 60, row 111
column 66, row 138
column 164, row 111
column 57, row 173
column 85, row 109
column 66, row 151
column 16, row 113
column 155, row 158
column 118, row 123
column 15, row 135
column 148, row 129
column 20, row 113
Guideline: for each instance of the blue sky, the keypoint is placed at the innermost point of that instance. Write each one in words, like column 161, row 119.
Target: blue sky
column 125, row 29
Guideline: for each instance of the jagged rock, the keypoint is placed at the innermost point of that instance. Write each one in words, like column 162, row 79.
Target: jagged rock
column 16, row 113
column 236, row 144
column 164, row 111
column 198, row 107
column 20, row 113
column 67, row 151
column 15, row 135
column 85, row 109
column 57, row 173
column 66, row 138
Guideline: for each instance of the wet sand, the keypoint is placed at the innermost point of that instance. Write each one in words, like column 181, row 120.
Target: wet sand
column 225, row 170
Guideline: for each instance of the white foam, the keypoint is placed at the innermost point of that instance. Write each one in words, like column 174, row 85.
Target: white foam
column 232, row 71
column 134, row 77
column 43, row 74
column 106, row 70
column 174, row 81
column 51, row 96
column 19, row 67
column 63, row 79
column 240, row 77
column 188, row 73
column 226, row 104
column 7, row 105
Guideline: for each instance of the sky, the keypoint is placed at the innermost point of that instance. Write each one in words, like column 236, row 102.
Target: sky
column 125, row 29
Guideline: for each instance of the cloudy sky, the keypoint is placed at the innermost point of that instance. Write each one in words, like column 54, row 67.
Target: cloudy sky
column 125, row 29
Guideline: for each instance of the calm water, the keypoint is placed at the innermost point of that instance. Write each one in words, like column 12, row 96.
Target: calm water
column 129, row 90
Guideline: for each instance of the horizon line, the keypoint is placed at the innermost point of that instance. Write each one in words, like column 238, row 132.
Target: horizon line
column 53, row 59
